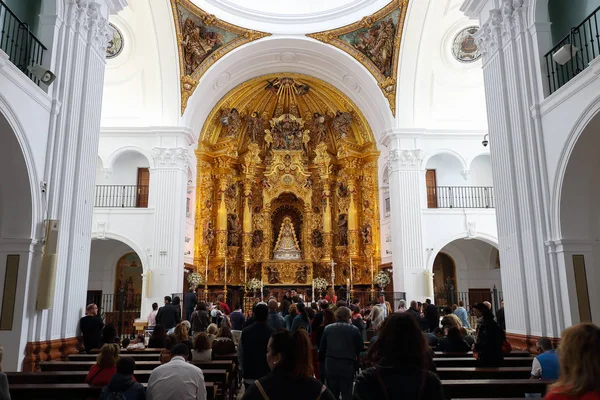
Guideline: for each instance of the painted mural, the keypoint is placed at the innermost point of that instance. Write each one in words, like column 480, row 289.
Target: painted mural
column 374, row 41
column 129, row 278
column 203, row 39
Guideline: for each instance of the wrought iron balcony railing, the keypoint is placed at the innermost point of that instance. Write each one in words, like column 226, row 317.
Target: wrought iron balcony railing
column 16, row 40
column 460, row 197
column 121, row 196
column 583, row 45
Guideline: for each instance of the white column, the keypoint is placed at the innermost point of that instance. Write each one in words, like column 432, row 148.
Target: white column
column 168, row 192
column 407, row 235
column 512, row 83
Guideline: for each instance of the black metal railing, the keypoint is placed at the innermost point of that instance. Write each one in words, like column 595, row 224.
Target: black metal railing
column 460, row 197
column 16, row 40
column 586, row 38
column 447, row 298
column 120, row 309
column 121, row 196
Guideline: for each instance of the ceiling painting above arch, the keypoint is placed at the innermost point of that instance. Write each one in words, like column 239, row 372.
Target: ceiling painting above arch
column 374, row 41
column 202, row 40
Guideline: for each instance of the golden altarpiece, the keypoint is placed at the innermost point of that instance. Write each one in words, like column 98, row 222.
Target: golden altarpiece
column 287, row 187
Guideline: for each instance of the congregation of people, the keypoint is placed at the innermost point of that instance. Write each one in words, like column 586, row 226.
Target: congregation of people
column 291, row 350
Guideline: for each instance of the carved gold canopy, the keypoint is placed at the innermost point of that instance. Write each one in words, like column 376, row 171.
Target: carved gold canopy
column 287, row 182
column 375, row 42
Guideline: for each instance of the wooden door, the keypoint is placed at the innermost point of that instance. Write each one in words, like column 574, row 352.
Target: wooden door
column 431, row 184
column 479, row 296
column 143, row 184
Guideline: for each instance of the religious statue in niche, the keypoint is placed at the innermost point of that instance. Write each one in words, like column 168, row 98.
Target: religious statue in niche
column 234, row 230
column 343, row 190
column 287, row 247
column 301, row 274
column 367, row 233
column 318, row 129
column 341, row 124
column 231, row 191
column 198, row 43
column 129, row 279
column 232, row 120
column 256, row 128
column 287, row 133
column 257, row 238
column 343, row 230
column 273, row 276
column 317, row 238
column 449, row 286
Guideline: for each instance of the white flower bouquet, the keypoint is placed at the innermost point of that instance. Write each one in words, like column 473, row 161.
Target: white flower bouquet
column 253, row 284
column 382, row 279
column 195, row 279
column 320, row 284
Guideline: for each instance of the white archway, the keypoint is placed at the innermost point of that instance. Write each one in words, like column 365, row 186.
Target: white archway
column 124, row 150
column 449, row 152
column 492, row 241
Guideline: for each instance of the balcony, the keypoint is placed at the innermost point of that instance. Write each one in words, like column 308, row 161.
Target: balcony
column 579, row 48
column 17, row 41
column 121, row 196
column 460, row 197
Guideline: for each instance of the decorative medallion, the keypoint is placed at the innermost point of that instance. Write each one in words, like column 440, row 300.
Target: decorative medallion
column 375, row 42
column 115, row 44
column 464, row 48
column 202, row 40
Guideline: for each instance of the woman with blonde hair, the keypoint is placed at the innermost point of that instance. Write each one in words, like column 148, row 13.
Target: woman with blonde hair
column 579, row 359
column 212, row 331
column 181, row 333
column 105, row 367
column 292, row 313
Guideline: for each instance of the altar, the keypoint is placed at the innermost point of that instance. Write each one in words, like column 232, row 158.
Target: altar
column 286, row 188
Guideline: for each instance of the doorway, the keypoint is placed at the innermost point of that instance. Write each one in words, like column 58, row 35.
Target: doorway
column 143, row 183
column 431, row 183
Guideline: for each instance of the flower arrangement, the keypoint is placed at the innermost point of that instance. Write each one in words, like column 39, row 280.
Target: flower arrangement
column 320, row 284
column 253, row 284
column 382, row 279
column 195, row 279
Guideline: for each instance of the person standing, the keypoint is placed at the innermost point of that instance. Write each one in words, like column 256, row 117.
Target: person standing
column 190, row 299
column 91, row 327
column 490, row 338
column 237, row 318
column 177, row 379
column 168, row 316
column 152, row 316
column 252, row 347
column 402, row 363
column 223, row 306
column 402, row 306
column 462, row 314
column 275, row 320
column 432, row 315
column 200, row 318
column 341, row 344
column 385, row 305
column 500, row 316
column 579, row 359
column 289, row 358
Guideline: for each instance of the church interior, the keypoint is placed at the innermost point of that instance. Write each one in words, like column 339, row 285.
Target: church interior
column 342, row 149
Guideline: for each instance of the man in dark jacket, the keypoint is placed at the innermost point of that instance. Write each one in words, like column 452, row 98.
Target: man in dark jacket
column 91, row 328
column 432, row 315
column 123, row 383
column 168, row 316
column 340, row 346
column 252, row 347
column 190, row 300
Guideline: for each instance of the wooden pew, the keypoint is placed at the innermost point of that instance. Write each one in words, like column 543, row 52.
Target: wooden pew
column 492, row 388
column 472, row 362
column 137, row 356
column 149, row 350
column 139, row 365
column 484, row 373
column 71, row 391
column 518, row 353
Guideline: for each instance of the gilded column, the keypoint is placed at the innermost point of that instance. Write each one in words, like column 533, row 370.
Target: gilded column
column 251, row 161
column 323, row 161
column 221, row 233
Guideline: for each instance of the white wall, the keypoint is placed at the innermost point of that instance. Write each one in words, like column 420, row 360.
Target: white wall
column 103, row 261
column 480, row 172
column 447, row 170
column 125, row 169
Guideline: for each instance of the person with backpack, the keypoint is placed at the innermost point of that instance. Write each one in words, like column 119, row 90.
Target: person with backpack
column 122, row 385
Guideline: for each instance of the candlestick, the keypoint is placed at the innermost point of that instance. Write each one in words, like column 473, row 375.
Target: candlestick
column 351, row 280
column 206, row 280
column 245, row 275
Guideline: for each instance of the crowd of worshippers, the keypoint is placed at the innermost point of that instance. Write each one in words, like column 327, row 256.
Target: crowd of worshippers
column 290, row 350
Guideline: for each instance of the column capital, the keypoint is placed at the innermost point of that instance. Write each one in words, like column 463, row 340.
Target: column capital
column 170, row 157
column 405, row 159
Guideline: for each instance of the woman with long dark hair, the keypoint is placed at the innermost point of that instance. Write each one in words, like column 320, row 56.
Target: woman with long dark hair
column 289, row 358
column 157, row 339
column 301, row 320
column 401, row 370
column 200, row 318
column 490, row 338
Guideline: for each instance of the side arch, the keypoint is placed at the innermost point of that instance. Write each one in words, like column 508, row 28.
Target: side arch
column 450, row 152
column 138, row 249
column 491, row 240
column 127, row 149
column 474, row 156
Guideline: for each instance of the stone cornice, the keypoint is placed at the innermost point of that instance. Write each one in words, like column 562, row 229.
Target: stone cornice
column 503, row 24
column 472, row 8
column 405, row 159
column 170, row 157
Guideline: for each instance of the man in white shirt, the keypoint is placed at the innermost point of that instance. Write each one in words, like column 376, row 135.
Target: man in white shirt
column 177, row 379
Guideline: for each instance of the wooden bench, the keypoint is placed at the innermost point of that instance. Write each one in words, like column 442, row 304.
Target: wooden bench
column 71, row 391
column 149, row 350
column 137, row 356
column 484, row 373
column 139, row 365
column 441, row 354
column 472, row 362
column 492, row 388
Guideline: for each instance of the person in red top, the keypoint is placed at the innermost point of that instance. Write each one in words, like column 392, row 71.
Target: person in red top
column 105, row 367
column 579, row 359
column 224, row 307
